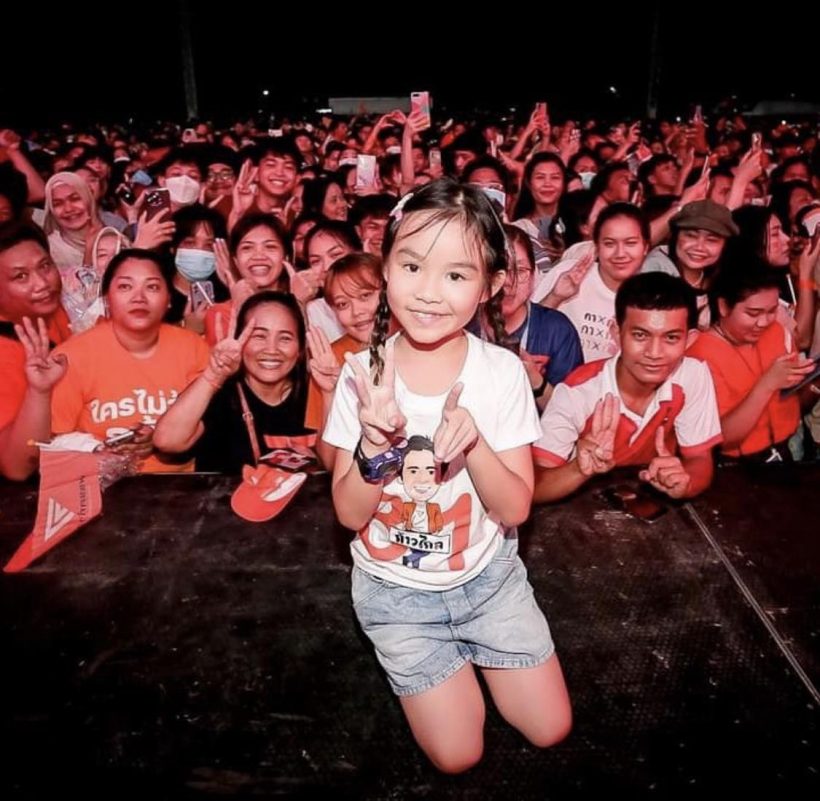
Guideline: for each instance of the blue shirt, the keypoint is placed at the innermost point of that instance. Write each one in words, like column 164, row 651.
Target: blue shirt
column 548, row 332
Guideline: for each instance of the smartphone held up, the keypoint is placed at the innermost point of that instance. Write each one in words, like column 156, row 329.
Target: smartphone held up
column 156, row 202
column 420, row 102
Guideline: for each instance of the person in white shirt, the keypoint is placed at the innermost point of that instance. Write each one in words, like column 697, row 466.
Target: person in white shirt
column 584, row 290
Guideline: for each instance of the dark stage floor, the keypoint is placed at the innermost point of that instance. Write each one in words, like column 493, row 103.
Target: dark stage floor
column 171, row 651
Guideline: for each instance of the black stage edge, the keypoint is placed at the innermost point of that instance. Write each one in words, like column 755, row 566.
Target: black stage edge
column 171, row 651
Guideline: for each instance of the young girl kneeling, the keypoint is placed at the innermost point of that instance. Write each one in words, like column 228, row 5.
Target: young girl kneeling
column 434, row 471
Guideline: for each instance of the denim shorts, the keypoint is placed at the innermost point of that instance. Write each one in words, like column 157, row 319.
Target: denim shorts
column 422, row 637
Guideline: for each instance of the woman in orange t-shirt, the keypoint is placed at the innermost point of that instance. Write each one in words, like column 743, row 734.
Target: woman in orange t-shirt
column 124, row 373
column 752, row 358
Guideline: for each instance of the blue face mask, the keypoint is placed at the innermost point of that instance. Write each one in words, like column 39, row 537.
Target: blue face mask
column 195, row 265
column 142, row 178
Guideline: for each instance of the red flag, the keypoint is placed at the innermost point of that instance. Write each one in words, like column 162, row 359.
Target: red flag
column 70, row 496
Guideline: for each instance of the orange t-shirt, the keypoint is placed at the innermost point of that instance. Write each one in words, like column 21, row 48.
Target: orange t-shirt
column 12, row 365
column 735, row 370
column 314, row 417
column 107, row 390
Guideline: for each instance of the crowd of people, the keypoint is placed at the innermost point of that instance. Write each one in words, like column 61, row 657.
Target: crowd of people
column 463, row 317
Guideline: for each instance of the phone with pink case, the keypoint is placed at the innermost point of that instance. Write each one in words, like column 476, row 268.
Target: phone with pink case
column 420, row 102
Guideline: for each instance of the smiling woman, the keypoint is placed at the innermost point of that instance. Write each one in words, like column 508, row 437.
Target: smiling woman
column 254, row 386
column 752, row 359
column 71, row 223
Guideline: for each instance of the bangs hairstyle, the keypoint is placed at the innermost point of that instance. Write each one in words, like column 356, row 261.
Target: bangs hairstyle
column 362, row 270
column 446, row 200
column 253, row 220
column 298, row 375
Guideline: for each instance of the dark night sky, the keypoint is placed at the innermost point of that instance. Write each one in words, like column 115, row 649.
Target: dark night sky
column 109, row 62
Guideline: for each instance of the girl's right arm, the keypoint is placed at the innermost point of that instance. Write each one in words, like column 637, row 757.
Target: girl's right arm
column 354, row 499
column 381, row 421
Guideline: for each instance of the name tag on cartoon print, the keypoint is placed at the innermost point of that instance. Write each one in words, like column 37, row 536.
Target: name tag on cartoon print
column 419, row 541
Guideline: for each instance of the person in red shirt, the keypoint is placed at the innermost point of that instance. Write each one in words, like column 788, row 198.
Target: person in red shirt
column 30, row 319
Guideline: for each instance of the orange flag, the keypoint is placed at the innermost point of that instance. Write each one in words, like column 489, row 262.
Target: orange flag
column 70, row 496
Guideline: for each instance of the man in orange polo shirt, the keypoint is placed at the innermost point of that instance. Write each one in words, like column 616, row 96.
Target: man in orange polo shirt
column 31, row 318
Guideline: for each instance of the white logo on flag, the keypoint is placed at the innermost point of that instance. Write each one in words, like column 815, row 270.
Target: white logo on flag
column 57, row 517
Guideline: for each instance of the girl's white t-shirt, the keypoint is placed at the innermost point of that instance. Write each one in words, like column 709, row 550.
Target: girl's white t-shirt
column 461, row 537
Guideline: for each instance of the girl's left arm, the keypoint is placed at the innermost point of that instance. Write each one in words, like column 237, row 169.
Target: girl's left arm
column 503, row 480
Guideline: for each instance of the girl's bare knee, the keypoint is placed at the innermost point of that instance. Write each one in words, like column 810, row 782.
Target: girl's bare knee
column 551, row 732
column 457, row 759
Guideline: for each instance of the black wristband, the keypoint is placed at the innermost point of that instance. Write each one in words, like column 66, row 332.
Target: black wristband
column 380, row 468
column 540, row 390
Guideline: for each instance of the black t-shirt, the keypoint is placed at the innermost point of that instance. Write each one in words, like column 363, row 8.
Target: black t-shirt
column 225, row 445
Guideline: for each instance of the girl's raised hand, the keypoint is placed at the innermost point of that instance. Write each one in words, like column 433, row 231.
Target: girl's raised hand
column 569, row 283
column 304, row 284
column 381, row 419
column 457, row 431
column 244, row 190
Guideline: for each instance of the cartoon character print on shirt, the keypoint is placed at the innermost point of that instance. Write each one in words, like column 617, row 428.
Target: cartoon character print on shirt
column 410, row 525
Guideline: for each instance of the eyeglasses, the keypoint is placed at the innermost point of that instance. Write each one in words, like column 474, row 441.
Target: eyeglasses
column 221, row 175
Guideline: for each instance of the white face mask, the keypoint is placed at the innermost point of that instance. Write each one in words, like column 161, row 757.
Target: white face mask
column 183, row 189
column 587, row 178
